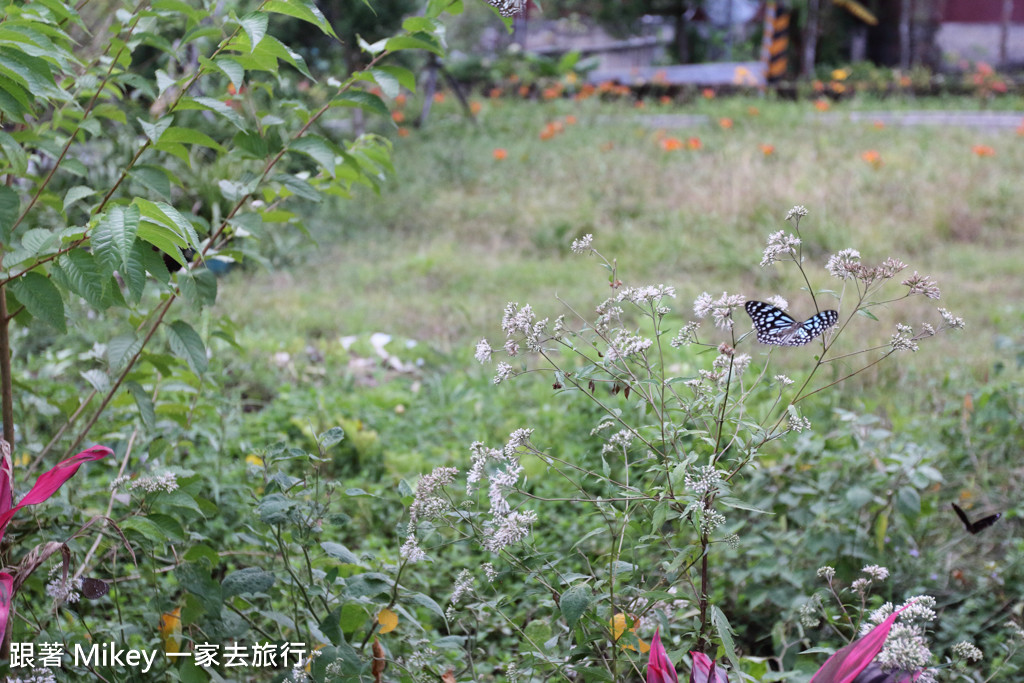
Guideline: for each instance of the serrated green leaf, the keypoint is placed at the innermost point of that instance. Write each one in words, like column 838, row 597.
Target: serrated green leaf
column 120, row 350
column 232, row 69
column 114, row 235
column 389, row 85
column 143, row 401
column 725, row 633
column 421, row 600
column 574, row 602
column 255, row 26
column 186, row 343
column 154, row 130
column 16, row 157
column 152, row 178
column 300, row 9
column 405, row 77
column 77, row 193
column 340, row 552
column 85, row 276
column 216, row 106
column 41, row 298
column 318, row 149
column 189, row 136
column 366, row 101
column 10, row 205
column 97, row 379
column 144, row 527
column 250, row 580
column 331, row 436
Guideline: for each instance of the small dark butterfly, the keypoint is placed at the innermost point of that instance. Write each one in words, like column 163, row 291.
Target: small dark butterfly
column 94, row 588
column 975, row 527
column 773, row 326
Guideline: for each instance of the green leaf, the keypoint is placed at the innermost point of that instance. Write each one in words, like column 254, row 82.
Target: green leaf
column 368, row 102
column 133, row 270
column 405, row 77
column 340, row 552
column 250, row 580
column 41, row 298
column 216, row 106
column 574, row 602
column 317, row 148
column 389, row 85
column 186, row 343
column 97, row 379
column 10, row 205
column 725, row 633
column 143, row 401
column 145, row 528
column 120, row 350
column 425, row 601
column 536, row 632
column 154, row 130
column 152, row 178
column 114, row 235
column 301, row 9
column 16, row 156
column 83, row 275
column 419, row 41
column 367, row 585
column 196, row 579
column 76, row 193
column 908, row 500
column 330, row 437
column 232, row 69
column 255, row 26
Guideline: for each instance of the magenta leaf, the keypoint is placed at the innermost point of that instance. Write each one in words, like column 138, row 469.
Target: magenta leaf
column 847, row 662
column 6, row 467
column 705, row 670
column 659, row 666
column 6, row 595
column 48, row 482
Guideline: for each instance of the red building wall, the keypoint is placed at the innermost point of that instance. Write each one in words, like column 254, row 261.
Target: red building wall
column 981, row 11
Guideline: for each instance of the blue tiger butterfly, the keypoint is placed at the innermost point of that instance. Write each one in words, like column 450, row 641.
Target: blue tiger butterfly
column 773, row 326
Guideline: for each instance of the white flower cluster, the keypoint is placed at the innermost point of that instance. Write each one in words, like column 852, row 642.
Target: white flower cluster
column 63, row 591
column 922, row 284
column 165, row 481
column 702, row 480
column 583, row 245
column 721, row 310
column 904, row 339
column 687, row 335
column 625, row 345
column 502, row 469
column 797, row 212
column 779, row 244
column 619, row 441
column 428, row 503
column 844, row 265
column 951, row 320
column 646, row 295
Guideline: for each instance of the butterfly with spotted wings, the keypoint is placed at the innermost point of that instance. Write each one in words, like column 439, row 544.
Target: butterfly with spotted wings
column 975, row 527
column 774, row 326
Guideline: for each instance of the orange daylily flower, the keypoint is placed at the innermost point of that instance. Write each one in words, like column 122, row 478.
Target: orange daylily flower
column 524, row 90
column 822, row 105
column 983, row 151
column 438, row 97
column 753, row 111
column 475, row 107
column 670, row 144
column 879, row 125
column 872, row 157
column 767, row 150
column 500, row 153
column 665, row 99
column 708, row 93
column 397, row 116
column 494, row 93
column 693, row 143
column 725, row 123
column 400, row 99
column 571, row 120
column 403, row 132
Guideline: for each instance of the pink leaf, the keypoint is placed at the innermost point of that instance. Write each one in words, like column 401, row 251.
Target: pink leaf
column 6, row 595
column 659, row 666
column 6, row 467
column 847, row 662
column 48, row 482
column 705, row 670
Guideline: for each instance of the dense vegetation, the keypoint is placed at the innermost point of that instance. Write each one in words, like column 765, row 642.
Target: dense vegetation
column 270, row 445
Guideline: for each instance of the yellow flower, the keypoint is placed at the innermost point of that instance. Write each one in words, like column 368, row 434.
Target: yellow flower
column 840, row 75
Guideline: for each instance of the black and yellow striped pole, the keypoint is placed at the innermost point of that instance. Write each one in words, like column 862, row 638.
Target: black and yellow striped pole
column 775, row 44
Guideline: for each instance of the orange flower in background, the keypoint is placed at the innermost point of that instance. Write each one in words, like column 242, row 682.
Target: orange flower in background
column 708, row 93
column 822, row 105
column 376, row 91
column 660, row 77
column 550, row 130
column 397, row 116
column 725, row 123
column 665, row 99
column 475, row 107
column 607, row 146
column 693, row 143
column 552, row 92
column 879, row 125
column 767, row 150
column 1020, row 128
column 639, row 104
column 400, row 99
column 670, row 144
column 570, row 120
column 840, row 75
column 500, row 153
column 818, row 86
column 837, row 87
column 494, row 93
column 905, row 81
column 872, row 157
column 438, row 97
column 514, row 78
column 403, row 132
column 524, row 90
column 753, row 111
column 983, row 151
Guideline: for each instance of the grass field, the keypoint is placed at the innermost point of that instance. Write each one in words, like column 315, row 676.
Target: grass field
column 459, row 233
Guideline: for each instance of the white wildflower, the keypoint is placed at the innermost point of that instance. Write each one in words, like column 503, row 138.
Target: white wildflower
column 845, row 264
column 583, row 244
column 779, row 244
column 968, row 651
column 797, row 212
column 503, row 372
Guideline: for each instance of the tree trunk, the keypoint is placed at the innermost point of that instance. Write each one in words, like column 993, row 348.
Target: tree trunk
column 681, row 40
column 905, row 12
column 810, row 38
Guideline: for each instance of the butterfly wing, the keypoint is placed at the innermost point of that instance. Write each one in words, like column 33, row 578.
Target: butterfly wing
column 774, row 326
column 975, row 527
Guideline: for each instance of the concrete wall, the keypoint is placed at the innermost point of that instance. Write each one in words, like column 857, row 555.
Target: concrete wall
column 979, row 42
